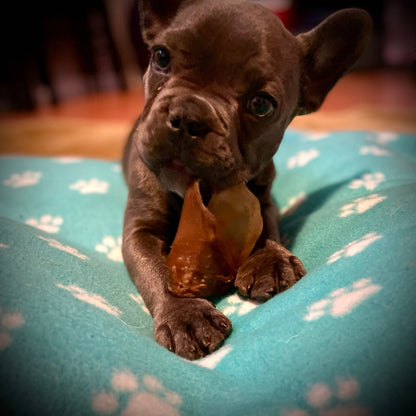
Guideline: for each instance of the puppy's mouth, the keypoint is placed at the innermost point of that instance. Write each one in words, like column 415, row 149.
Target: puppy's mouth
column 176, row 177
column 181, row 171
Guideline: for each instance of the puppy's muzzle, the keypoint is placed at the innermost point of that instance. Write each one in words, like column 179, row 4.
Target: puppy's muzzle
column 191, row 116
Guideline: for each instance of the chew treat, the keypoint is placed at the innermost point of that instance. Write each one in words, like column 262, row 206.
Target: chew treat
column 238, row 223
column 213, row 241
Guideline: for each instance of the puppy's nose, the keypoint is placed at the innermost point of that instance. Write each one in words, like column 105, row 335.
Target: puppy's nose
column 190, row 116
column 194, row 129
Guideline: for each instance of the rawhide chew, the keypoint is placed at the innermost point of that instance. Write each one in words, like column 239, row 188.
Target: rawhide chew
column 213, row 241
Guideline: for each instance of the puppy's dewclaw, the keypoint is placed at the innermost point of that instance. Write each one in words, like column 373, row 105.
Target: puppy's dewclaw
column 212, row 242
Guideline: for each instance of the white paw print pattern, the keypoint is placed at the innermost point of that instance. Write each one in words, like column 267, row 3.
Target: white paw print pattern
column 238, row 305
column 383, row 138
column 374, row 151
column 137, row 298
column 111, row 247
column 355, row 247
column 92, row 298
column 340, row 400
column 46, row 223
column 67, row 160
column 9, row 321
column 146, row 396
column 93, row 186
column 342, row 301
column 361, row 205
column 314, row 136
column 117, row 168
column 368, row 181
column 213, row 359
column 20, row 180
column 302, row 158
column 293, row 204
column 67, row 249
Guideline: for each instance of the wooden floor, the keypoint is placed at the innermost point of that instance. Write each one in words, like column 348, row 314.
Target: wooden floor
column 97, row 125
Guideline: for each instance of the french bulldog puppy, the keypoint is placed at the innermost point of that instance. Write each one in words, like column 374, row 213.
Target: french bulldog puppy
column 225, row 79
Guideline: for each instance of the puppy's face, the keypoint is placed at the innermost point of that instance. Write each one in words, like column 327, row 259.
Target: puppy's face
column 221, row 87
column 224, row 81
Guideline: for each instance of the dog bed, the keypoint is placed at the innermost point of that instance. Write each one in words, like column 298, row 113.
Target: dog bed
column 76, row 337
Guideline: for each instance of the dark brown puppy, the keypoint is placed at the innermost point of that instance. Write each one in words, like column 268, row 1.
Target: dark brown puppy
column 224, row 81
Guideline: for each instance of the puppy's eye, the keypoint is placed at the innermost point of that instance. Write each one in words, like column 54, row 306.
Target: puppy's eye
column 161, row 58
column 262, row 105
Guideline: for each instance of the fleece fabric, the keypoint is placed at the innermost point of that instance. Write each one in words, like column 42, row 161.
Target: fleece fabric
column 77, row 339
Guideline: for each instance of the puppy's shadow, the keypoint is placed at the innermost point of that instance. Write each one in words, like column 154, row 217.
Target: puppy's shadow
column 293, row 220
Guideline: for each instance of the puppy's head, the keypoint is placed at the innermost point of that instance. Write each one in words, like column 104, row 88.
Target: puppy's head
column 225, row 79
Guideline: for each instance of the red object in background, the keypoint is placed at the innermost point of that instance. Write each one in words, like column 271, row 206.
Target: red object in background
column 282, row 8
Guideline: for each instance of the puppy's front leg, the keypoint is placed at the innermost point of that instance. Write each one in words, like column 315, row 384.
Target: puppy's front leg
column 190, row 327
column 271, row 268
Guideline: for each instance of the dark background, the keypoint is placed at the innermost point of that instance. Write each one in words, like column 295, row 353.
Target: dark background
column 52, row 52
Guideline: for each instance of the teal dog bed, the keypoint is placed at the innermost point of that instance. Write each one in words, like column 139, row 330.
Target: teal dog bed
column 76, row 337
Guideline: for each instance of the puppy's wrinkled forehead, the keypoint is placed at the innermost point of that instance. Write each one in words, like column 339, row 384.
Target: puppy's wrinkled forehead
column 223, row 39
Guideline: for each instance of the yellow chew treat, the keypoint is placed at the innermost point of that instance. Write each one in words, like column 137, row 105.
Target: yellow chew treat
column 212, row 242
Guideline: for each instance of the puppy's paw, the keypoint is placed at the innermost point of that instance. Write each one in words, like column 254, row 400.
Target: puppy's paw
column 268, row 271
column 191, row 327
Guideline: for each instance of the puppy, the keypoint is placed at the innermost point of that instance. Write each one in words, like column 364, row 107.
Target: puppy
column 224, row 81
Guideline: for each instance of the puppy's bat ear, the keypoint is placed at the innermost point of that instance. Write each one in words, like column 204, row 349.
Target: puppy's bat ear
column 155, row 15
column 329, row 51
